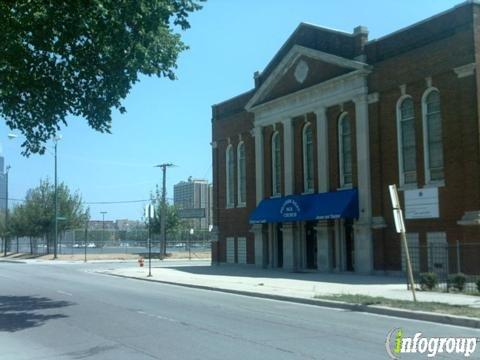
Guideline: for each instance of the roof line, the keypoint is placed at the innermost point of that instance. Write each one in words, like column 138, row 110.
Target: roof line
column 467, row 2
column 234, row 97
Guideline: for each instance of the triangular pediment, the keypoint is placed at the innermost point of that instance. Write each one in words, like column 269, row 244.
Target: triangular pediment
column 302, row 68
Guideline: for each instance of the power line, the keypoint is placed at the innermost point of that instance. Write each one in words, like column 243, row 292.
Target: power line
column 115, row 202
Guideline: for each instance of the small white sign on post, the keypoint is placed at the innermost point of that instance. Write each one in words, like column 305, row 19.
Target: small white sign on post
column 421, row 203
column 399, row 223
column 149, row 211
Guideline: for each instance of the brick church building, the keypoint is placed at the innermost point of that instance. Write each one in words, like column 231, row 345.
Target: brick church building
column 303, row 160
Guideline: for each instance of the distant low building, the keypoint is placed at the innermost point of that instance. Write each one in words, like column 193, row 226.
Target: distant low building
column 193, row 198
column 125, row 224
column 99, row 225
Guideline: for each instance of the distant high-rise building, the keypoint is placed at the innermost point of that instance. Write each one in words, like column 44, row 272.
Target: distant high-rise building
column 194, row 201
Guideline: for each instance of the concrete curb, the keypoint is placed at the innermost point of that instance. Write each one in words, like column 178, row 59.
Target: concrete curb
column 378, row 310
column 12, row 261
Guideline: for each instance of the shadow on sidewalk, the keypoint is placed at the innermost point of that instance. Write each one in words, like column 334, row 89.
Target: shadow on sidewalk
column 245, row 271
column 21, row 312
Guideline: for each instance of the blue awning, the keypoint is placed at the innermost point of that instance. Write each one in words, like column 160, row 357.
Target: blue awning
column 342, row 204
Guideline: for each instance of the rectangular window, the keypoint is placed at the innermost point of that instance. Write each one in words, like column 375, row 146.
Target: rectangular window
column 406, row 142
column 230, row 250
column 437, row 252
column 242, row 250
column 414, row 251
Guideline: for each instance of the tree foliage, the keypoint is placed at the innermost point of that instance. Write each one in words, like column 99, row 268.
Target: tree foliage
column 81, row 58
column 36, row 216
column 173, row 222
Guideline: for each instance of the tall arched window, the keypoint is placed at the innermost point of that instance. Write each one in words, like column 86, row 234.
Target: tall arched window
column 230, row 180
column 241, row 177
column 307, row 138
column 276, row 164
column 407, row 151
column 432, row 134
column 345, row 150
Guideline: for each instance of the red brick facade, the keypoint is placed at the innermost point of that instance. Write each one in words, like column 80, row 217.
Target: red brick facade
column 441, row 53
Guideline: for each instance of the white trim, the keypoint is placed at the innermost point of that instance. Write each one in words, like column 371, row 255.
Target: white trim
column 340, row 149
column 274, row 137
column 373, row 98
column 306, row 189
column 426, row 152
column 241, row 203
column 322, row 149
column 329, row 93
column 288, row 158
column 259, row 170
column 470, row 218
column 289, row 60
column 465, row 70
column 228, row 153
column 401, row 170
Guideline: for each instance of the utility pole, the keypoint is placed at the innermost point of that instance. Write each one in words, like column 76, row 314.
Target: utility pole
column 5, row 239
column 103, row 227
column 163, row 213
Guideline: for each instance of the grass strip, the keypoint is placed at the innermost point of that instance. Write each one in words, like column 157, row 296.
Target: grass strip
column 458, row 310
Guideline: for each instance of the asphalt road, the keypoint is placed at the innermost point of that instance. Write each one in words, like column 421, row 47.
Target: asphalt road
column 67, row 311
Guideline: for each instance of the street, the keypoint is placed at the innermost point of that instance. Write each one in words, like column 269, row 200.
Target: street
column 68, row 311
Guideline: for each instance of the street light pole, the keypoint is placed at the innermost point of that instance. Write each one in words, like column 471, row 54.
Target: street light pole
column 5, row 239
column 56, row 207
column 55, row 240
column 163, row 234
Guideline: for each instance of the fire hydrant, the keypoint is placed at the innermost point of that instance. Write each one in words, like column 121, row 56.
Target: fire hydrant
column 140, row 261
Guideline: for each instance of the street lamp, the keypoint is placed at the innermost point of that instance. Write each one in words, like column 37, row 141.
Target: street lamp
column 103, row 226
column 56, row 139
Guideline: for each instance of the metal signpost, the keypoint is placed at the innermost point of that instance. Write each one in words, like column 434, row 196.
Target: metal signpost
column 400, row 227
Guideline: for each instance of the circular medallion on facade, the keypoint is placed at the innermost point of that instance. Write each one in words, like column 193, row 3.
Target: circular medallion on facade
column 301, row 71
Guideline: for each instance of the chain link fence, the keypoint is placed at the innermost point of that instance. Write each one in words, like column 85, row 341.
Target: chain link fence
column 113, row 242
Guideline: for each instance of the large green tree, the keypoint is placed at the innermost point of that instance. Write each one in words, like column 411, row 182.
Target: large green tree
column 36, row 216
column 81, row 57
column 173, row 223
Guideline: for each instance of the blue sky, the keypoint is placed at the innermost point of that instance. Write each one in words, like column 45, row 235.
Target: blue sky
column 170, row 121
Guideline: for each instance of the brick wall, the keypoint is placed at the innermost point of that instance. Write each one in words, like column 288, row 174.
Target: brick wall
column 428, row 50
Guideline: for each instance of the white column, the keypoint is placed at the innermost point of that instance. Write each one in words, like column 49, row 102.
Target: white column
column 363, row 227
column 324, row 247
column 288, row 155
column 289, row 253
column 259, row 166
column 322, row 150
column 259, row 244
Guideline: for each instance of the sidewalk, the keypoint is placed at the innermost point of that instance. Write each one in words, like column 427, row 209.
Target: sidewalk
column 295, row 285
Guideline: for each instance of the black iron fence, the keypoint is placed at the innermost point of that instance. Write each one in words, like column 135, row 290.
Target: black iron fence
column 453, row 267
